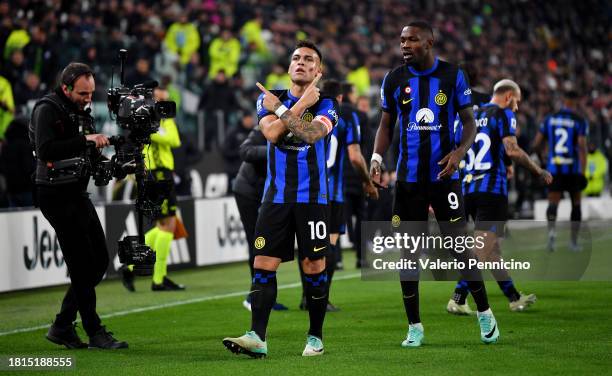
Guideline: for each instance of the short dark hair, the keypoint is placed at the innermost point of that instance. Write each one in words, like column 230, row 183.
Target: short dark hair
column 311, row 45
column 332, row 88
column 571, row 94
column 423, row 25
column 73, row 71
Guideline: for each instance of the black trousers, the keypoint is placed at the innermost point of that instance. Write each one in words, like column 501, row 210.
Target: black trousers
column 83, row 244
column 248, row 209
column 354, row 205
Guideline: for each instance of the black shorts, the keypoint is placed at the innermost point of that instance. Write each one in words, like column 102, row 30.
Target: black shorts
column 279, row 224
column 566, row 182
column 168, row 199
column 337, row 223
column 488, row 210
column 412, row 200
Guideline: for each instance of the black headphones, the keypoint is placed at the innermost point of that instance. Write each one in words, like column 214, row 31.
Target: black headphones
column 74, row 71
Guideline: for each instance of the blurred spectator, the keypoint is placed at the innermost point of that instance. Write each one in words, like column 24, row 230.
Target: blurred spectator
column 185, row 156
column 40, row 57
column 183, row 39
column 278, row 79
column 27, row 90
column 17, row 163
column 596, row 169
column 235, row 138
column 251, row 33
column 217, row 100
column 17, row 39
column 15, row 67
column 224, row 52
column 141, row 74
column 359, row 76
column 7, row 105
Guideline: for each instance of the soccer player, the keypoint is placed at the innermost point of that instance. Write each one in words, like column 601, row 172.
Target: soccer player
column 295, row 122
column 427, row 93
column 485, row 186
column 566, row 133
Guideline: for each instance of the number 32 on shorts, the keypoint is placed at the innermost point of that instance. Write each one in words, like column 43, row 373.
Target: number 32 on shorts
column 453, row 200
column 317, row 230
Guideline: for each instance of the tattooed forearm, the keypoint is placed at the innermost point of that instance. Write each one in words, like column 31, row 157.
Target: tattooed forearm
column 309, row 132
column 519, row 156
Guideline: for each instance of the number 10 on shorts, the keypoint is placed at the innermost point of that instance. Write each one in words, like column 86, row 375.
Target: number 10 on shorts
column 317, row 230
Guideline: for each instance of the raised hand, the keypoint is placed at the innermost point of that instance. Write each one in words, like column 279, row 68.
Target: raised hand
column 312, row 93
column 270, row 101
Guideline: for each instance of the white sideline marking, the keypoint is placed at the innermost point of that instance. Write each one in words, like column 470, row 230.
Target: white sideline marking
column 173, row 304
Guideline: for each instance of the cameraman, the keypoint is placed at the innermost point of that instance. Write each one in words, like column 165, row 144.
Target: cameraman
column 159, row 161
column 56, row 130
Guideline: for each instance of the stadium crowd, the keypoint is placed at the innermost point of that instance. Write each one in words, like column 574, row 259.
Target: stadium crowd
column 219, row 49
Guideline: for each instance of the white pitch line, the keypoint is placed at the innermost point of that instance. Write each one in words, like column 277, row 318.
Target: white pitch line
column 173, row 304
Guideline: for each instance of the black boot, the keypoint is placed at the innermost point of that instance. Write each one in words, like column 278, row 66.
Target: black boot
column 167, row 285
column 127, row 278
column 65, row 335
column 105, row 340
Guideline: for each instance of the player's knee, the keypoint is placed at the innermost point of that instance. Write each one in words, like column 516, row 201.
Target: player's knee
column 313, row 266
column 266, row 263
column 576, row 215
column 551, row 212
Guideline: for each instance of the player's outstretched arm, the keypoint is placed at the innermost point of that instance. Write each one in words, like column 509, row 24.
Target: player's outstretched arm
column 381, row 144
column 468, row 134
column 359, row 163
column 519, row 156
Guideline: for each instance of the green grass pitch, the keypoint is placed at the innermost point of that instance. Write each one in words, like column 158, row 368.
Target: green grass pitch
column 179, row 333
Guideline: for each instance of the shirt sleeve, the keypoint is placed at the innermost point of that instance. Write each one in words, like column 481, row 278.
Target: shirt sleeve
column 508, row 124
column 353, row 130
column 463, row 93
column 386, row 95
column 261, row 110
column 327, row 114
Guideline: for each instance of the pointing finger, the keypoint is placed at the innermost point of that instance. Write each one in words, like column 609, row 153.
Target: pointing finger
column 262, row 88
column 316, row 79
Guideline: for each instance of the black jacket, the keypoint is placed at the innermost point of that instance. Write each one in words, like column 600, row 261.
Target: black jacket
column 16, row 160
column 251, row 176
column 55, row 136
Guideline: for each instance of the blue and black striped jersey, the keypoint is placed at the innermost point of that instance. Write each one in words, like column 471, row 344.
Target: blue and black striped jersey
column 297, row 170
column 426, row 103
column 347, row 132
column 478, row 99
column 562, row 130
column 485, row 170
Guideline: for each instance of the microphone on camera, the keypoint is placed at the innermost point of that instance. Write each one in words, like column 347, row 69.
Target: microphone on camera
column 151, row 84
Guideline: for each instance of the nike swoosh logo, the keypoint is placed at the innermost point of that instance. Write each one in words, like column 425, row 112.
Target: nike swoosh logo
column 254, row 291
column 491, row 332
column 318, row 249
column 455, row 219
column 406, row 101
column 319, row 298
